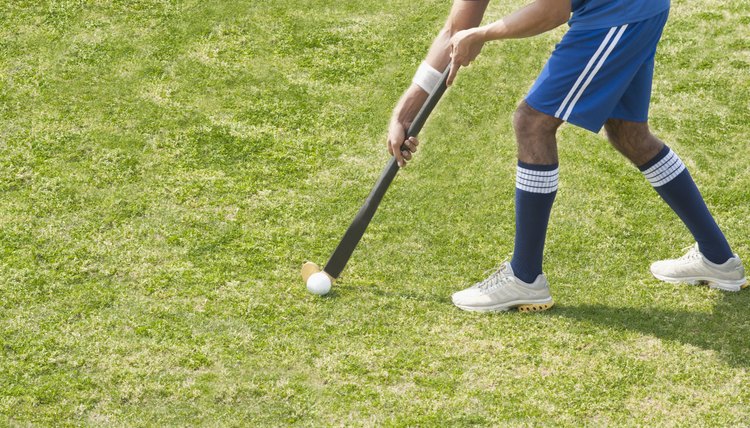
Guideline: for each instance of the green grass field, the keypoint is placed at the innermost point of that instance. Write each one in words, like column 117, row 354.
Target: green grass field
column 166, row 167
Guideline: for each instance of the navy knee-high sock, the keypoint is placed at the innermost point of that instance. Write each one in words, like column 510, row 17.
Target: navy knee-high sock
column 673, row 182
column 536, row 187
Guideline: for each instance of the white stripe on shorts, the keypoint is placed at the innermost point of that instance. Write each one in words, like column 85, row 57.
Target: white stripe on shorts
column 585, row 71
column 579, row 91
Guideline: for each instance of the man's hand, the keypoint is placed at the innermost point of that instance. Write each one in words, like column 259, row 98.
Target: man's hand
column 398, row 145
column 465, row 47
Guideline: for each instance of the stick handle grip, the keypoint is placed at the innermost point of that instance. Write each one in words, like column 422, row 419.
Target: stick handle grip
column 354, row 233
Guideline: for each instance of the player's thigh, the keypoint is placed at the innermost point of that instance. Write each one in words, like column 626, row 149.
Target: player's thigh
column 590, row 71
column 634, row 103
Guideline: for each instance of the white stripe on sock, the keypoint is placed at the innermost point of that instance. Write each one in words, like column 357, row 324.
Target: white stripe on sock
column 534, row 181
column 596, row 70
column 664, row 171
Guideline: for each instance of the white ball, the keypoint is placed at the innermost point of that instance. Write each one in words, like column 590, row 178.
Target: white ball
column 319, row 283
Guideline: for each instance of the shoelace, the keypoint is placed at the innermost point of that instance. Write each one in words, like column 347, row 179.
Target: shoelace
column 500, row 277
column 692, row 254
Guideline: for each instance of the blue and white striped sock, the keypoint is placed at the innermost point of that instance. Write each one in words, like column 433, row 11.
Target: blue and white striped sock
column 672, row 181
column 536, row 187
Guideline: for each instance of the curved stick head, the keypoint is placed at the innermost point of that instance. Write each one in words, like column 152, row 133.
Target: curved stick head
column 308, row 269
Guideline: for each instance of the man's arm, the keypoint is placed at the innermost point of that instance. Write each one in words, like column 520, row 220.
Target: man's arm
column 464, row 14
column 536, row 18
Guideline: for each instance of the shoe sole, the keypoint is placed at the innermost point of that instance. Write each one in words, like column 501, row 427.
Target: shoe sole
column 733, row 286
column 522, row 306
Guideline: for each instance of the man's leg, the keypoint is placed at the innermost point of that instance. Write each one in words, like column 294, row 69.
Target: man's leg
column 536, row 187
column 711, row 261
column 520, row 284
column 666, row 172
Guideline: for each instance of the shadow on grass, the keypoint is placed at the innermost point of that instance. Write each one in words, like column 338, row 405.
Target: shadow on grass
column 726, row 330
column 420, row 296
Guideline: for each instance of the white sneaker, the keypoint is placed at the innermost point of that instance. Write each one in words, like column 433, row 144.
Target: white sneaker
column 503, row 291
column 695, row 269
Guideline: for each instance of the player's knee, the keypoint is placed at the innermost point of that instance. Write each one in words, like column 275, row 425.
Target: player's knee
column 526, row 120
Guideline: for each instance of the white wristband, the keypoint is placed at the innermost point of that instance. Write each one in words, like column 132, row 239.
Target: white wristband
column 427, row 77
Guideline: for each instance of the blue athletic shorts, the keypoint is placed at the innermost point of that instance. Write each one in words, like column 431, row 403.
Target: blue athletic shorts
column 595, row 75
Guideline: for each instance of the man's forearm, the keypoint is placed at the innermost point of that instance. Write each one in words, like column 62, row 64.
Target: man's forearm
column 464, row 14
column 409, row 104
column 438, row 58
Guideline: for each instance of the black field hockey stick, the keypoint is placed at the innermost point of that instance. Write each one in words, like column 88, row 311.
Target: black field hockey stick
column 354, row 233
